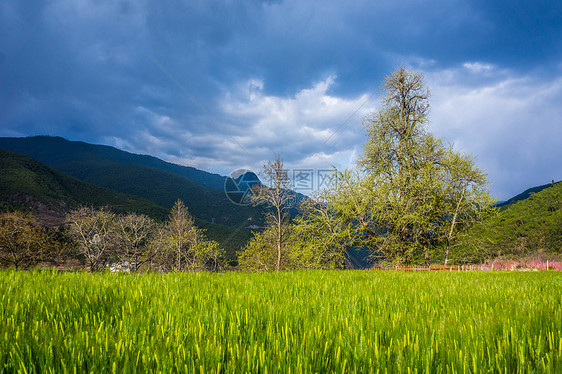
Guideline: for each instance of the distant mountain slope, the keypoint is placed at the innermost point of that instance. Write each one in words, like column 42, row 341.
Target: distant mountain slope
column 55, row 151
column 28, row 185
column 523, row 195
column 143, row 176
column 533, row 224
column 25, row 183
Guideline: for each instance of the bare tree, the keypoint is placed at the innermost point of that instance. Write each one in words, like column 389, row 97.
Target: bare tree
column 93, row 233
column 134, row 234
column 276, row 196
column 22, row 241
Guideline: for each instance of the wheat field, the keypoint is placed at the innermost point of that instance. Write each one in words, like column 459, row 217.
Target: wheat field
column 294, row 322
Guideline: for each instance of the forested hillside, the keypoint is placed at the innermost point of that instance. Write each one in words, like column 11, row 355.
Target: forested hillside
column 57, row 151
column 29, row 186
column 523, row 195
column 144, row 176
column 527, row 227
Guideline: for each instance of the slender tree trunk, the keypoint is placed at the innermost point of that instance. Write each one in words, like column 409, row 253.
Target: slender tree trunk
column 453, row 222
column 278, row 239
column 426, row 255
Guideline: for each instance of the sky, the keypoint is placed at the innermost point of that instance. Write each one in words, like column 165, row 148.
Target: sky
column 223, row 85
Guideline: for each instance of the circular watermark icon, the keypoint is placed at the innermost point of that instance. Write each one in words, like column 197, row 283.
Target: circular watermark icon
column 238, row 186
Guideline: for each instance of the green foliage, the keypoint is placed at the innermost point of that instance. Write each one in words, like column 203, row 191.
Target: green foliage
column 315, row 321
column 411, row 193
column 182, row 246
column 309, row 242
column 410, row 197
column 522, row 228
column 319, row 240
column 260, row 253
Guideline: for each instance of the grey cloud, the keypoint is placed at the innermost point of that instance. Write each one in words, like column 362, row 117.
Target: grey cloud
column 512, row 126
column 83, row 70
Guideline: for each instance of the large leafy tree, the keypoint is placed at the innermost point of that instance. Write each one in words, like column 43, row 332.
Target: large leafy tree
column 319, row 239
column 410, row 192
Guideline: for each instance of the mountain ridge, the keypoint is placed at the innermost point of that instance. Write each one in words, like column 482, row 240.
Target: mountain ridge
column 523, row 227
column 26, row 181
column 525, row 194
column 28, row 145
column 134, row 174
column 28, row 185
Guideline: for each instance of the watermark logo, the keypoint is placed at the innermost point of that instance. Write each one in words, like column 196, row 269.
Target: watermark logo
column 327, row 179
column 309, row 180
column 238, row 186
column 303, row 179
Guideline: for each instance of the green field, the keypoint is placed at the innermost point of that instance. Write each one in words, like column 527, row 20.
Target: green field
column 317, row 321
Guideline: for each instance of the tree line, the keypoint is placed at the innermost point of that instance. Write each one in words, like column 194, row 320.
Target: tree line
column 99, row 237
column 410, row 198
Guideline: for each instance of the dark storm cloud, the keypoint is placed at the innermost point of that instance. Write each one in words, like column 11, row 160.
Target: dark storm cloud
column 195, row 81
column 524, row 33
